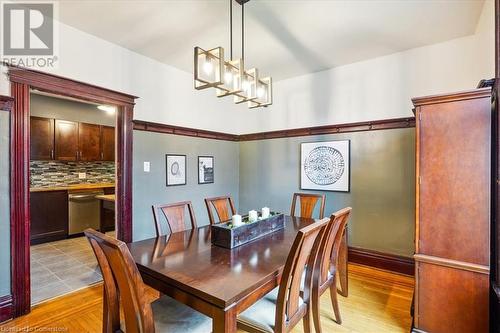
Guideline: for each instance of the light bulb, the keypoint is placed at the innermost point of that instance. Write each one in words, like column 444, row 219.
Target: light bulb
column 245, row 85
column 107, row 108
column 260, row 92
column 207, row 67
column 228, row 77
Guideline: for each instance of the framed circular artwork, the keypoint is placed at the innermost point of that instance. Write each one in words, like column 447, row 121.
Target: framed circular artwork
column 176, row 169
column 325, row 166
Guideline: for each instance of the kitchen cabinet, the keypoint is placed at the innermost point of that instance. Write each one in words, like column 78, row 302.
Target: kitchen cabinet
column 66, row 140
column 108, row 212
column 42, row 138
column 89, row 142
column 49, row 216
column 107, row 143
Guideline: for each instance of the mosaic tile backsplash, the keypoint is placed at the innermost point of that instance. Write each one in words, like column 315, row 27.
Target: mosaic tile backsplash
column 58, row 173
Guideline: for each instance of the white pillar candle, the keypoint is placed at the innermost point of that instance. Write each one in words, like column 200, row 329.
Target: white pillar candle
column 265, row 212
column 237, row 220
column 252, row 216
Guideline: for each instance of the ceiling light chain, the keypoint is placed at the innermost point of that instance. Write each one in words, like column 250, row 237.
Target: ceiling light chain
column 231, row 28
column 230, row 77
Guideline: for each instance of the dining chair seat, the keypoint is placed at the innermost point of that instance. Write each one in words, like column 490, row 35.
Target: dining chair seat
column 284, row 307
column 273, row 294
column 261, row 315
column 173, row 316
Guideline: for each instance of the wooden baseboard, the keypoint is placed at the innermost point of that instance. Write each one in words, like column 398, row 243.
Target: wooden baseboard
column 390, row 262
column 6, row 308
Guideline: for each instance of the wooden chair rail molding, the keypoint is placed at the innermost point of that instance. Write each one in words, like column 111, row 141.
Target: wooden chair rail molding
column 6, row 103
column 333, row 129
column 141, row 125
column 374, row 125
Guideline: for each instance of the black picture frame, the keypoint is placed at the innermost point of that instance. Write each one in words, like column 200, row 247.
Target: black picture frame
column 211, row 178
column 167, row 171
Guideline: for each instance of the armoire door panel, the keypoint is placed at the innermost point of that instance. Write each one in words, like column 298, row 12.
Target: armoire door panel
column 451, row 300
column 454, row 190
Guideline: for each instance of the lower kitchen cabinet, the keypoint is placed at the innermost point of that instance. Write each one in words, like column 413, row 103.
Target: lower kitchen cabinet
column 108, row 212
column 49, row 216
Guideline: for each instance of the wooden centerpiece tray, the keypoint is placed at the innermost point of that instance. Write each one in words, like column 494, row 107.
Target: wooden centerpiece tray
column 227, row 235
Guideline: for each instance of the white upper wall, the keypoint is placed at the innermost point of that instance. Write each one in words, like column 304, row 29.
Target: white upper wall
column 368, row 90
column 382, row 87
column 166, row 94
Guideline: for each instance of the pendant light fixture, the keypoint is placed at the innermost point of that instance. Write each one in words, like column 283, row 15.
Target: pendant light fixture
column 229, row 78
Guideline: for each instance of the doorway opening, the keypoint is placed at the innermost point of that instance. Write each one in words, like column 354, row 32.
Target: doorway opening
column 23, row 82
column 72, row 188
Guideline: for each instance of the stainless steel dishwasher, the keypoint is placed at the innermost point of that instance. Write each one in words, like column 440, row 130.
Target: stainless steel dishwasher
column 84, row 210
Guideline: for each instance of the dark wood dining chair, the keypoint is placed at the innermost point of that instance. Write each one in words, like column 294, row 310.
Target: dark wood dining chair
column 325, row 276
column 175, row 215
column 308, row 202
column 285, row 306
column 222, row 206
column 124, row 289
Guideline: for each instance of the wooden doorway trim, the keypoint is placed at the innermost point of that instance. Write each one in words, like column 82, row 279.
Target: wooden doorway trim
column 495, row 204
column 22, row 81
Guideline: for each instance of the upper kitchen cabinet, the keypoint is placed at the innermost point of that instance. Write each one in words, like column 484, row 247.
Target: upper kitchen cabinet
column 89, row 142
column 66, row 140
column 42, row 138
column 107, row 143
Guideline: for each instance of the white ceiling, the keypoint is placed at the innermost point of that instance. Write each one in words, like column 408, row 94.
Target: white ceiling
column 284, row 38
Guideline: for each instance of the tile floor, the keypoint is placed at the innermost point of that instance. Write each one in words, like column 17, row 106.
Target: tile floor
column 61, row 267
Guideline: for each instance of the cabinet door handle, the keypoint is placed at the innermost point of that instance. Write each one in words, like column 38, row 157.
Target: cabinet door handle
column 102, row 156
column 52, row 154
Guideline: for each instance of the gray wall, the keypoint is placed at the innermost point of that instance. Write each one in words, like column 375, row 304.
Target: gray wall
column 149, row 188
column 382, row 184
column 4, row 205
column 59, row 108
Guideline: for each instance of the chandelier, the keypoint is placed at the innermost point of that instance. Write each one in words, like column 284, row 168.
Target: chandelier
column 230, row 78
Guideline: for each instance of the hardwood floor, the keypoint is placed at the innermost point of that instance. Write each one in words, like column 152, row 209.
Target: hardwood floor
column 378, row 301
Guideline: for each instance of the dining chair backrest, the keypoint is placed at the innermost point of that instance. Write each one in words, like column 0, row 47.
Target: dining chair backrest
column 175, row 214
column 289, row 308
column 330, row 246
column 308, row 202
column 122, row 282
column 222, row 206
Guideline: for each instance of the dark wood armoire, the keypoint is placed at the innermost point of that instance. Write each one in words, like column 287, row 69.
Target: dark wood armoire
column 452, row 239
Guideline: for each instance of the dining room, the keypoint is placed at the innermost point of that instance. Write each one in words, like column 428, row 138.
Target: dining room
column 278, row 166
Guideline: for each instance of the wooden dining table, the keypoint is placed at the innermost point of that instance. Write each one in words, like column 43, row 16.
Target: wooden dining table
column 218, row 282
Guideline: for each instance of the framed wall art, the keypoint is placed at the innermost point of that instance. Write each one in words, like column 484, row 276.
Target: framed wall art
column 205, row 169
column 176, row 169
column 325, row 166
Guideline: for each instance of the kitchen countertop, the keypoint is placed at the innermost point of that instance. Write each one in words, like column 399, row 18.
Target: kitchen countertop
column 106, row 197
column 72, row 187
